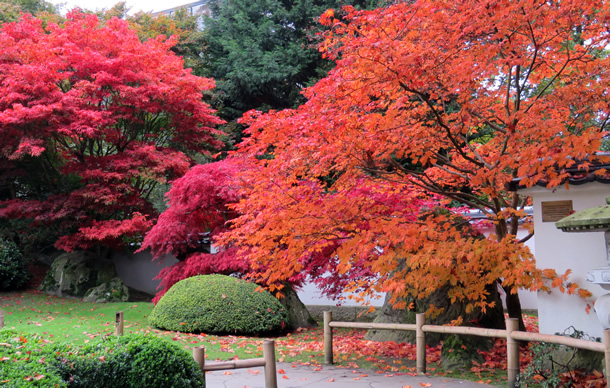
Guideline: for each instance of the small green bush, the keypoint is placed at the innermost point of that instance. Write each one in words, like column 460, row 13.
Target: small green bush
column 219, row 304
column 13, row 274
column 132, row 360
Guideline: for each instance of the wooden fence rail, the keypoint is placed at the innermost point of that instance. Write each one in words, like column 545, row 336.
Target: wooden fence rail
column 511, row 334
column 268, row 361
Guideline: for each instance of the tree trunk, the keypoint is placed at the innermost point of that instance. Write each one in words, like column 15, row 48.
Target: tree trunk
column 493, row 318
column 298, row 315
column 513, row 305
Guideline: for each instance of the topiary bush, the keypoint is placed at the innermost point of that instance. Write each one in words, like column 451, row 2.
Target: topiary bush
column 219, row 304
column 133, row 360
column 13, row 273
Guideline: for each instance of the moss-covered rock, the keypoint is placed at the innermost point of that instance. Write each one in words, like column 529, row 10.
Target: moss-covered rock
column 112, row 291
column 75, row 273
column 219, row 304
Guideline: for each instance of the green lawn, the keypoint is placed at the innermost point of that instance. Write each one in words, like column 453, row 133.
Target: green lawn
column 77, row 322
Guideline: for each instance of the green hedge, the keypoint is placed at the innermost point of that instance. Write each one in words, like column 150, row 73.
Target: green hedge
column 133, row 360
column 13, row 273
column 219, row 304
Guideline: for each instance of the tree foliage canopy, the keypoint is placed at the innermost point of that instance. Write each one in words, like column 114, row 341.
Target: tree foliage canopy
column 91, row 120
column 261, row 52
column 429, row 100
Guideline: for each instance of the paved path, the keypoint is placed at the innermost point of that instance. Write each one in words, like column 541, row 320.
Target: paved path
column 329, row 377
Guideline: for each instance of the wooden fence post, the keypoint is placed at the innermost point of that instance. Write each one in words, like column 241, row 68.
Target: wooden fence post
column 512, row 352
column 270, row 370
column 199, row 357
column 328, row 338
column 1, row 319
column 607, row 355
column 119, row 323
column 420, row 342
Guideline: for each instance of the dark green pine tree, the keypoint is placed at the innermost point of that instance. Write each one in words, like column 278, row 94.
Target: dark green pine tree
column 262, row 52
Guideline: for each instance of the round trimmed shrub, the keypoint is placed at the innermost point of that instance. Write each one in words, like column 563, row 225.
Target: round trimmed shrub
column 219, row 304
column 13, row 273
column 133, row 360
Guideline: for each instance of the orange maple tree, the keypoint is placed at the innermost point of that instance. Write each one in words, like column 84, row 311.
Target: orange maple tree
column 429, row 99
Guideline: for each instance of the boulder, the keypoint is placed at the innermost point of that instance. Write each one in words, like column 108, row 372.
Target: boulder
column 112, row 291
column 75, row 273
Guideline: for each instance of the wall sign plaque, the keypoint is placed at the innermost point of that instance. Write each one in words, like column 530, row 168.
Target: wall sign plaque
column 553, row 211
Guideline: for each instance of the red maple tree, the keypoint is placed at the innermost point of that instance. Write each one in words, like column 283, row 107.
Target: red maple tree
column 428, row 98
column 92, row 120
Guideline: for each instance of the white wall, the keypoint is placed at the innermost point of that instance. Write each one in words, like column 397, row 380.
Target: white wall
column 579, row 252
column 138, row 270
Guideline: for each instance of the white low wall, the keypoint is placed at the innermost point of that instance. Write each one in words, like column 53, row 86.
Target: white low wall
column 139, row 270
column 579, row 252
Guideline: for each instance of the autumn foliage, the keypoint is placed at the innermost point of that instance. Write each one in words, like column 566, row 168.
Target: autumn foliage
column 200, row 207
column 429, row 100
column 91, row 121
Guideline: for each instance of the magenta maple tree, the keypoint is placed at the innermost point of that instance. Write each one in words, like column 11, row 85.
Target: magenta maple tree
column 198, row 209
column 97, row 119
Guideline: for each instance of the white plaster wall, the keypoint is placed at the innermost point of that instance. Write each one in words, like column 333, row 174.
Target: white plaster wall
column 139, row 270
column 310, row 295
column 579, row 252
